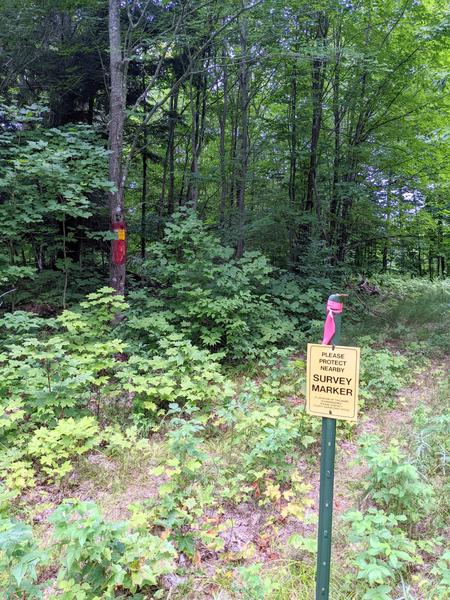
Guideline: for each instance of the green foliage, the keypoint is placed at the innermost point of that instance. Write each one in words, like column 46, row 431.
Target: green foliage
column 313, row 133
column 382, row 550
column 99, row 557
column 55, row 170
column 253, row 584
column 15, row 326
column 5, row 499
column 410, row 310
column 393, row 483
column 125, row 442
column 256, row 460
column 39, row 377
column 17, row 470
column 442, row 573
column 223, row 445
column 412, row 302
column 20, row 561
column 55, row 373
column 265, row 428
column 307, row 544
column 49, row 178
column 55, row 448
column 431, row 442
column 94, row 318
column 178, row 372
column 198, row 289
column 382, row 374
column 184, row 496
column 270, row 432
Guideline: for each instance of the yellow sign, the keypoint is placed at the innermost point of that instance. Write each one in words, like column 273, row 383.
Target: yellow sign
column 121, row 234
column 332, row 378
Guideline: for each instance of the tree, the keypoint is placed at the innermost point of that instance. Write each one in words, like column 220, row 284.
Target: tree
column 116, row 125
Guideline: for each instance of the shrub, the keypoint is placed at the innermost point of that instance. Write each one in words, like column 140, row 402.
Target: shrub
column 55, row 373
column 382, row 374
column 413, row 302
column 20, row 561
column 393, row 483
column 15, row 326
column 125, row 442
column 177, row 372
column 442, row 572
column 408, row 309
column 98, row 557
column 196, row 287
column 382, row 550
column 182, row 497
column 265, row 431
column 253, row 583
column 55, row 448
column 41, row 378
column 17, row 470
column 431, row 443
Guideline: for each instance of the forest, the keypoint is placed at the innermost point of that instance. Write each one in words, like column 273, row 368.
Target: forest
column 183, row 184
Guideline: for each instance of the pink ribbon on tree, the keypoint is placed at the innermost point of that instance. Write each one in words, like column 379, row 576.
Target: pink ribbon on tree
column 330, row 326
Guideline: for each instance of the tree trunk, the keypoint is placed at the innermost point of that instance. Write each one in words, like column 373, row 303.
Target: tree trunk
column 388, row 225
column 162, row 196
column 173, row 115
column 347, row 204
column 192, row 189
column 385, row 257
column 318, row 77
column 117, row 117
column 198, row 120
column 338, row 113
column 144, row 198
column 292, row 116
column 244, row 73
column 222, row 124
column 144, row 180
column 233, row 154
column 440, row 252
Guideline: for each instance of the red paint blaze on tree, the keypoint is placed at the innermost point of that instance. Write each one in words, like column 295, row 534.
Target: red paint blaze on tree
column 119, row 245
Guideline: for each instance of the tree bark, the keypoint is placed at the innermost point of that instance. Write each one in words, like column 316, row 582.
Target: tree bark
column 173, row 115
column 318, row 77
column 222, row 124
column 116, row 125
column 233, row 154
column 244, row 74
column 338, row 113
column 292, row 116
column 198, row 118
column 144, row 197
column 387, row 226
column 192, row 190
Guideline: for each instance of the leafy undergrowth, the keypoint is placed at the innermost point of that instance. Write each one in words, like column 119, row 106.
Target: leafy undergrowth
column 158, row 473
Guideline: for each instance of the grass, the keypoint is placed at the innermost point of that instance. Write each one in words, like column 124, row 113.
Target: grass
column 413, row 312
column 281, row 580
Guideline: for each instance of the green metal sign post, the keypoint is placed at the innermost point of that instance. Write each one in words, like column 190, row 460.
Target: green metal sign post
column 326, row 486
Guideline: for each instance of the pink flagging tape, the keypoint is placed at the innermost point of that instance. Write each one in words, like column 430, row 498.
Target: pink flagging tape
column 330, row 326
